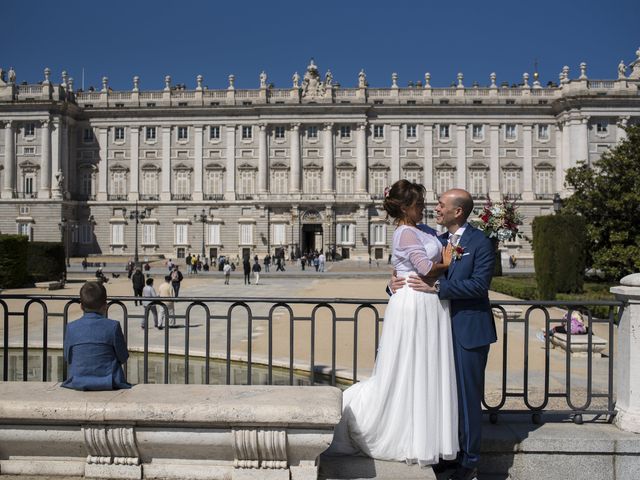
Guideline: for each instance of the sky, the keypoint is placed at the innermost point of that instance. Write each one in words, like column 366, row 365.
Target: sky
column 185, row 38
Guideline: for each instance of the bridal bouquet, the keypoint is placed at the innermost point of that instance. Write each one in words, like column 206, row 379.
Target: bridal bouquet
column 501, row 220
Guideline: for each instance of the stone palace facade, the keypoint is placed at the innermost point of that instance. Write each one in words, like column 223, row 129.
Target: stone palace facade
column 232, row 171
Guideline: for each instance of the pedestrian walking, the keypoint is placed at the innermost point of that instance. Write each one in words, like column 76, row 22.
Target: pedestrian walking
column 137, row 280
column 267, row 262
column 256, row 270
column 149, row 292
column 227, row 272
column 246, row 268
column 321, row 261
column 166, row 291
column 176, row 279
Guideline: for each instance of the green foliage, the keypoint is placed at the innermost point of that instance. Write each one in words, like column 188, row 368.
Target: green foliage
column 559, row 243
column 13, row 261
column 607, row 195
column 523, row 288
column 46, row 261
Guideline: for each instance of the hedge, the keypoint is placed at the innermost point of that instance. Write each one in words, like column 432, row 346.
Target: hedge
column 46, row 261
column 14, row 253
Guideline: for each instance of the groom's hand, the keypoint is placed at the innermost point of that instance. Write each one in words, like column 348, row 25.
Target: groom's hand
column 396, row 282
column 422, row 284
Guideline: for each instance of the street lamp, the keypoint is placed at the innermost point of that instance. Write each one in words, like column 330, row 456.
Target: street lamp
column 557, row 203
column 202, row 218
column 65, row 226
column 138, row 216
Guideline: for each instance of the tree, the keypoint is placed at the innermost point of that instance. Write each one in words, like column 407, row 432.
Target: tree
column 607, row 195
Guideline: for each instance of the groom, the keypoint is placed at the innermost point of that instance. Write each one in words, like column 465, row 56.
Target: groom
column 466, row 285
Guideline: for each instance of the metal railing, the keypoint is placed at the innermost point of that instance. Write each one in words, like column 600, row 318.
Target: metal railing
column 305, row 337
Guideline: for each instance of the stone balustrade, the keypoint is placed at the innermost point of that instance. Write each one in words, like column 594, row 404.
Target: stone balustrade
column 166, row 431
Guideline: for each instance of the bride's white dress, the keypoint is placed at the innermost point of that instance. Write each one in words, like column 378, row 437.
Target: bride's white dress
column 407, row 410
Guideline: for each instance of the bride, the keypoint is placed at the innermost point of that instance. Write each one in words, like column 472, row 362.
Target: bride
column 407, row 410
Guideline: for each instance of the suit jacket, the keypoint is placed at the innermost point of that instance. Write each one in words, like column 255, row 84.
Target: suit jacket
column 466, row 285
column 94, row 348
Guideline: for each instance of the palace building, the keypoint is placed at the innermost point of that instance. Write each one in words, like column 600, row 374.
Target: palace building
column 234, row 172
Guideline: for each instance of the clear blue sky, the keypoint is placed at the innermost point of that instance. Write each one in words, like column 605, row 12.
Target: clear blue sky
column 184, row 38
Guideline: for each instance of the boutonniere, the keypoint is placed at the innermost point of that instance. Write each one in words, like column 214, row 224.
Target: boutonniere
column 457, row 252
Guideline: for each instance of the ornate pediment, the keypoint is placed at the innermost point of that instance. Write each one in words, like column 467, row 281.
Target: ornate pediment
column 150, row 166
column 345, row 166
column 312, row 166
column 544, row 166
column 379, row 166
column 213, row 166
column 511, row 166
column 478, row 166
column 246, row 166
column 182, row 166
column 445, row 166
column 279, row 166
column 119, row 167
column 412, row 166
column 28, row 165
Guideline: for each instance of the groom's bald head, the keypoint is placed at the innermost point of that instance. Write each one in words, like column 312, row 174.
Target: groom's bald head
column 461, row 198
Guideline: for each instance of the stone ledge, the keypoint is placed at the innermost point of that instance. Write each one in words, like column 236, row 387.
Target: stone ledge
column 53, row 285
column 579, row 343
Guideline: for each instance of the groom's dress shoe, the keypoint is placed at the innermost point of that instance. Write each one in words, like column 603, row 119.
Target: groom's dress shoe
column 444, row 465
column 464, row 473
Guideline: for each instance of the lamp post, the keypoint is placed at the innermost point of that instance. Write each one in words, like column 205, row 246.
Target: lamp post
column 138, row 216
column 62, row 225
column 202, row 218
column 557, row 203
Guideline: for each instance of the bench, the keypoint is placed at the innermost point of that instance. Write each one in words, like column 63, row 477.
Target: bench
column 513, row 312
column 579, row 344
column 166, row 431
column 50, row 285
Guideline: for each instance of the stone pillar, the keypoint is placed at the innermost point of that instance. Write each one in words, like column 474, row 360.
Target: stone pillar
column 461, row 156
column 9, row 186
column 45, row 161
column 428, row 163
column 559, row 132
column 395, row 153
column 361, row 162
column 494, row 162
column 327, row 161
column 296, row 167
column 165, row 194
column 134, row 138
column 230, row 191
column 621, row 134
column 103, row 166
column 527, row 166
column 64, row 157
column 197, row 167
column 628, row 355
column 263, row 160
column 566, row 150
column 579, row 139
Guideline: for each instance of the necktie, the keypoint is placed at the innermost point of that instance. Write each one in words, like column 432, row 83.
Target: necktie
column 455, row 238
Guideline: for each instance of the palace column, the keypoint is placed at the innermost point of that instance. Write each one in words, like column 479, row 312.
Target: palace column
column 64, row 157
column 621, row 124
column 296, row 166
column 579, row 140
column 45, row 161
column 165, row 195
column 494, row 161
column 230, row 189
column 427, row 165
column 134, row 136
column 527, row 167
column 361, row 162
column 461, row 156
column 197, row 168
column 263, row 160
column 566, row 149
column 559, row 132
column 395, row 153
column 327, row 162
column 103, row 167
column 9, row 160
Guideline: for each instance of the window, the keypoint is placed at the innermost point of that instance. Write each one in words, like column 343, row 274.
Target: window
column 411, row 131
column 150, row 133
column 478, row 182
column 183, row 133
column 311, row 181
column 150, row 182
column 149, row 234
column 29, row 183
column 602, row 127
column 444, row 180
column 214, row 234
column 346, row 233
column 511, row 182
column 118, row 134
column 214, row 132
column 345, row 131
column 86, row 182
column 477, row 132
column 443, row 131
column 247, row 132
column 378, row 234
column 86, row 234
column 345, row 181
column 312, row 132
column 279, row 232
column 279, row 132
column 544, row 182
column 378, row 182
column 279, row 181
column 87, row 135
column 29, row 151
column 510, row 131
column 25, row 229
column 119, row 182
column 182, row 234
column 378, row 102
column 183, row 184
column 29, row 129
column 378, row 131
column 543, row 132
column 213, row 182
column 117, row 234
column 246, row 234
column 543, row 152
column 247, row 182
column 412, row 175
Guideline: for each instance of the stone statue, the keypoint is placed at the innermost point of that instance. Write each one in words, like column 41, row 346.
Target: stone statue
column 362, row 79
column 60, row 180
column 296, row 80
column 622, row 69
column 12, row 75
column 328, row 79
column 635, row 67
column 312, row 87
column 263, row 79
column 2, row 76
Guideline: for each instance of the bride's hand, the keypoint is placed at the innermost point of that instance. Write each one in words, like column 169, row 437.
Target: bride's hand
column 447, row 254
column 396, row 282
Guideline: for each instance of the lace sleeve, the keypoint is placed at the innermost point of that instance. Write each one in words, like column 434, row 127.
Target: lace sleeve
column 409, row 243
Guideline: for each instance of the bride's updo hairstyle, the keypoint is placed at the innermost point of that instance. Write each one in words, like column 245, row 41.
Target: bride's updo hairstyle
column 402, row 194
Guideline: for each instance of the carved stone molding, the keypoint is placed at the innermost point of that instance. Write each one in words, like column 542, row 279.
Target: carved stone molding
column 111, row 445
column 260, row 448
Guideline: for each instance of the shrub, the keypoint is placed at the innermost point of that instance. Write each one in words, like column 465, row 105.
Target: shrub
column 13, row 261
column 519, row 287
column 46, row 261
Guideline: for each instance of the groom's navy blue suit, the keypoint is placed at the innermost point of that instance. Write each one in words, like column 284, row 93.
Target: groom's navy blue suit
column 466, row 285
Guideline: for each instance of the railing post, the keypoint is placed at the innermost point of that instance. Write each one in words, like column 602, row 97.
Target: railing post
column 628, row 355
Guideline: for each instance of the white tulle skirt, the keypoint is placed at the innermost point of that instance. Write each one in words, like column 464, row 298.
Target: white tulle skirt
column 407, row 410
